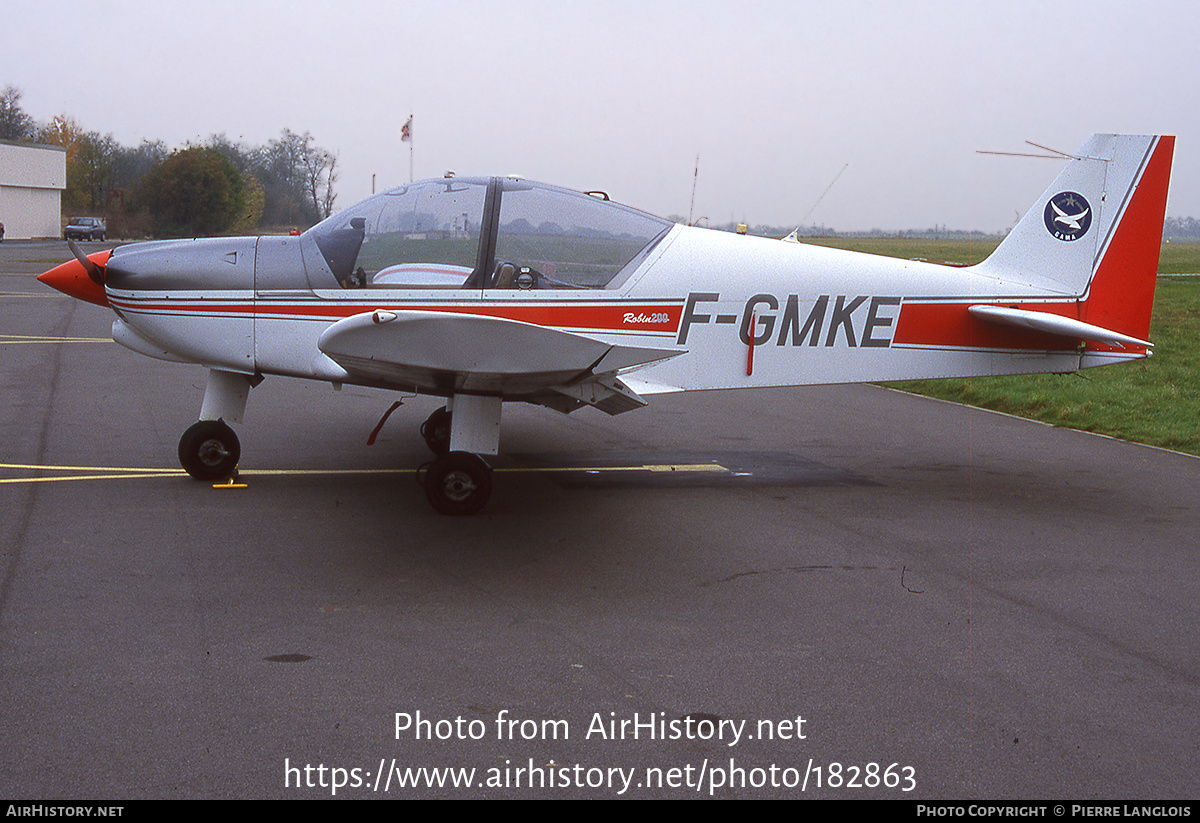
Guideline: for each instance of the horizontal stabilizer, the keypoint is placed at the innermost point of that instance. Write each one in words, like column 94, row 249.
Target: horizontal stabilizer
column 1055, row 324
column 449, row 352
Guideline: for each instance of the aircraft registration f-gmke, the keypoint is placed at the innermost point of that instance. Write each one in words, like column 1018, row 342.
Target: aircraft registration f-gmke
column 485, row 290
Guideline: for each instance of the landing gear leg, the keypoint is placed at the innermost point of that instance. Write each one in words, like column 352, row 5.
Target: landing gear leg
column 459, row 481
column 209, row 449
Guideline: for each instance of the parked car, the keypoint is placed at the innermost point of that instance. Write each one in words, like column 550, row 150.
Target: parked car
column 84, row 228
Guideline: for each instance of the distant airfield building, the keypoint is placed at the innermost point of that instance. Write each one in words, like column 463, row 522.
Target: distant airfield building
column 32, row 180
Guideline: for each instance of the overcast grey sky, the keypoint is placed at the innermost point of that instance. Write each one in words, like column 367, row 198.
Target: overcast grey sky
column 775, row 97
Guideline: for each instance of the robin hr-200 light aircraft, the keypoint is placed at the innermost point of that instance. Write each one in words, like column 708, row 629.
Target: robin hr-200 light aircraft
column 485, row 290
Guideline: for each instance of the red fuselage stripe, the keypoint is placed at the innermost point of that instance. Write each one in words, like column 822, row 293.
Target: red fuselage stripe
column 950, row 325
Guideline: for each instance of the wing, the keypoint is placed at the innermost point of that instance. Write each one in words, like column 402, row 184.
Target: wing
column 447, row 353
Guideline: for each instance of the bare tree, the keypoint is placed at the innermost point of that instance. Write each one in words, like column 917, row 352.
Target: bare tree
column 318, row 166
column 15, row 124
column 297, row 177
column 329, row 197
column 96, row 161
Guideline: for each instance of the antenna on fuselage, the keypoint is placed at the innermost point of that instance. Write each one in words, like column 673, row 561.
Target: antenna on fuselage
column 695, row 177
column 1054, row 155
column 822, row 197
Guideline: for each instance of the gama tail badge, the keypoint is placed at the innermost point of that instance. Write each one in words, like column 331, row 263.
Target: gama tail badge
column 1068, row 215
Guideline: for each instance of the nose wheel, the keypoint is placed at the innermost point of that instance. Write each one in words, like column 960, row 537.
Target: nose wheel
column 209, row 450
column 457, row 483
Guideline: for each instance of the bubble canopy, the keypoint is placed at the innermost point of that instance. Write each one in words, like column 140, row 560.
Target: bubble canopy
column 484, row 233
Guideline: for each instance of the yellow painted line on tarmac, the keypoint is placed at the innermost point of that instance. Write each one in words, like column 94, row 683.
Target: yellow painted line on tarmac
column 687, row 467
column 64, row 478
column 683, row 467
column 646, row 467
column 83, row 473
column 315, row 472
column 28, row 466
column 134, row 472
column 17, row 339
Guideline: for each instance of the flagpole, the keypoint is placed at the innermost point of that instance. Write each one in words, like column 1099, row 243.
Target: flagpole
column 406, row 137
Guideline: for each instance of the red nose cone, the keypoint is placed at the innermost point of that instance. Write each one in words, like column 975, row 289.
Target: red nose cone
column 72, row 278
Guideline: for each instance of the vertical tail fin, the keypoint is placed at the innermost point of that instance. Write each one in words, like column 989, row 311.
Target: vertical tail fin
column 1095, row 234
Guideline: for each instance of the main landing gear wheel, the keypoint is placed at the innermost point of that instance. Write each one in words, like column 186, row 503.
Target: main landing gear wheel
column 209, row 450
column 458, row 483
column 436, row 431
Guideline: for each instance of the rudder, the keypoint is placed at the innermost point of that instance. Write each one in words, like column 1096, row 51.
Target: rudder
column 1094, row 235
column 1121, row 293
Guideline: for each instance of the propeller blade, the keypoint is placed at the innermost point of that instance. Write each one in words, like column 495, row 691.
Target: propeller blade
column 94, row 271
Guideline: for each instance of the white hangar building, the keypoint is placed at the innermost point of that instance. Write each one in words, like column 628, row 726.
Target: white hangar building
column 32, row 180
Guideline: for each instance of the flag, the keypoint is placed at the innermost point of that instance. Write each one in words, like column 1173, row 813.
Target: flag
column 406, row 130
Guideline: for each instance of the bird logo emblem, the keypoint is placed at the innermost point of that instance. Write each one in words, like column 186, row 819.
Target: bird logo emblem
column 1068, row 215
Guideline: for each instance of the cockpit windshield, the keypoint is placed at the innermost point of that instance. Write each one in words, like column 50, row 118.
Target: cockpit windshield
column 566, row 240
column 480, row 234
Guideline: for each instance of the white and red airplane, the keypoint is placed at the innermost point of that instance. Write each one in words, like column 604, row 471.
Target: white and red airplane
column 485, row 290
